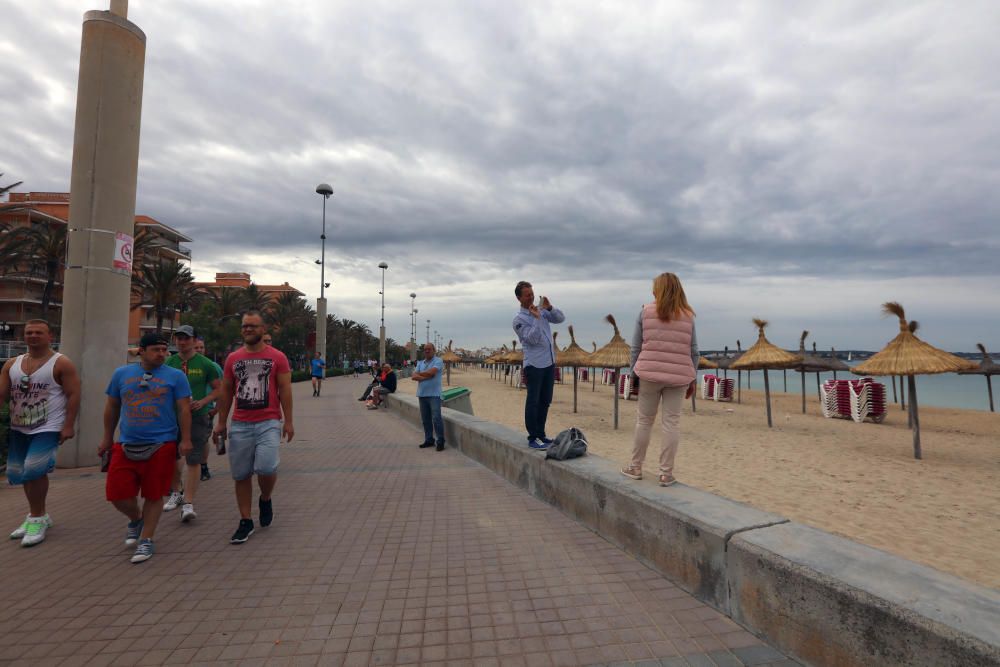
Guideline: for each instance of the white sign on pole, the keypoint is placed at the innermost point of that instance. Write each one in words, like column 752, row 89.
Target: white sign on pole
column 122, row 262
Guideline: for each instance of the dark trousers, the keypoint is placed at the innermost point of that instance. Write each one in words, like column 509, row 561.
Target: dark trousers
column 536, row 404
column 430, row 416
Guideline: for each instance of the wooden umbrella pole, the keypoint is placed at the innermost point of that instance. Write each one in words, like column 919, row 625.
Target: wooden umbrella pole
column 593, row 379
column 784, row 373
column 989, row 389
column 449, row 373
column 739, row 386
column 767, row 397
column 694, row 408
column 894, row 399
column 614, row 376
column 574, row 389
column 914, row 416
column 902, row 395
column 803, row 374
column 748, row 379
column 910, row 383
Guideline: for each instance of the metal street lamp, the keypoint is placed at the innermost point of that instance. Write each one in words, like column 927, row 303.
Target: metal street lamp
column 428, row 331
column 324, row 190
column 381, row 329
column 413, row 327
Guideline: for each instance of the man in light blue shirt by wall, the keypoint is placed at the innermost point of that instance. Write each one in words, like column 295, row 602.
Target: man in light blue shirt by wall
column 429, row 370
column 531, row 324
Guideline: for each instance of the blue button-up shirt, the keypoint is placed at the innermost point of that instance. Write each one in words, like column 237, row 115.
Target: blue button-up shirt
column 536, row 336
column 432, row 387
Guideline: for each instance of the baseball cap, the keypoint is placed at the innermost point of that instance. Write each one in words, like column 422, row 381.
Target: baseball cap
column 153, row 338
column 185, row 330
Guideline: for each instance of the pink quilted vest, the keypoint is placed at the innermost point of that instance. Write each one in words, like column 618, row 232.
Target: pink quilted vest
column 665, row 356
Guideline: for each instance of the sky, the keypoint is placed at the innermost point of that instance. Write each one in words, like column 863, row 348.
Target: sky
column 798, row 162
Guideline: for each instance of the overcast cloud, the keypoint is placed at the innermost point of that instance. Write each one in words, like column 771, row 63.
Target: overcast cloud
column 801, row 162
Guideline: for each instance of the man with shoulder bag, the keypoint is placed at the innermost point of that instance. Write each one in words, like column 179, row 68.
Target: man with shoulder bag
column 149, row 403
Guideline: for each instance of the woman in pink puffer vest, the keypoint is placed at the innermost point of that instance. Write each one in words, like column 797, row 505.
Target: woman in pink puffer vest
column 664, row 357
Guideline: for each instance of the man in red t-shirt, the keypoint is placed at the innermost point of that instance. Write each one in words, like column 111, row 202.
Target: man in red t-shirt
column 259, row 378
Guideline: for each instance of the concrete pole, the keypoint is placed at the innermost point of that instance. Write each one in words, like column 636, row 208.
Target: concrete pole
column 102, row 215
column 321, row 328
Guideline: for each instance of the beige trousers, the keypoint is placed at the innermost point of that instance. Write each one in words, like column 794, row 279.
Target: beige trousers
column 669, row 401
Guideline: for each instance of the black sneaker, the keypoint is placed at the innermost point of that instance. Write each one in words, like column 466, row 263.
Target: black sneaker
column 205, row 474
column 440, row 446
column 242, row 533
column 266, row 512
column 426, row 445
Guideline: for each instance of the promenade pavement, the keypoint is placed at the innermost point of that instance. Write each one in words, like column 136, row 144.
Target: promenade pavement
column 380, row 553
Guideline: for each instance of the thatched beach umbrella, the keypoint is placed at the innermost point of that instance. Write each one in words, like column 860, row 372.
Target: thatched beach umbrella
column 987, row 367
column 811, row 363
column 515, row 359
column 908, row 355
column 575, row 357
column 615, row 355
column 836, row 364
column 763, row 356
column 593, row 371
column 449, row 358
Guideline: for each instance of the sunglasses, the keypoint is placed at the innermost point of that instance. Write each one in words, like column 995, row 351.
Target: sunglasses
column 146, row 377
column 25, row 383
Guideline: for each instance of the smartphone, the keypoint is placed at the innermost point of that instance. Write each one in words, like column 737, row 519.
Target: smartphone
column 220, row 446
column 105, row 461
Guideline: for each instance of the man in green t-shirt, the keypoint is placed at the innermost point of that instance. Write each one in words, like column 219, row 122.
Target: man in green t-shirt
column 199, row 347
column 205, row 381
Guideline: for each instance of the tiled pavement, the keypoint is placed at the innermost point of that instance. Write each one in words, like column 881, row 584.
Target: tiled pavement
column 380, row 553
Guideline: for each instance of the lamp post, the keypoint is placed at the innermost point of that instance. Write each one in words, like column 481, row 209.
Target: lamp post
column 381, row 329
column 428, row 331
column 413, row 327
column 324, row 190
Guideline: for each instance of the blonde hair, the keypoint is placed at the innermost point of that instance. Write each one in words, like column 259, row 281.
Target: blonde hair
column 671, row 301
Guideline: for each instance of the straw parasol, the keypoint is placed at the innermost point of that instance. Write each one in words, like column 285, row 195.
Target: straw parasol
column 763, row 356
column 836, row 364
column 514, row 358
column 811, row 363
column 908, row 355
column 496, row 359
column 449, row 358
column 614, row 355
column 987, row 367
column 575, row 357
column 593, row 371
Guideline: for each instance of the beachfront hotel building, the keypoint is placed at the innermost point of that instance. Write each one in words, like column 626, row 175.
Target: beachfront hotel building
column 239, row 280
column 22, row 285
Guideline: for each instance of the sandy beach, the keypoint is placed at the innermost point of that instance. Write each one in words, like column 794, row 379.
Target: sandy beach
column 856, row 480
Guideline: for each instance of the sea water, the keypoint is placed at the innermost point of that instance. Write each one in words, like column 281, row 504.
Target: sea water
column 945, row 390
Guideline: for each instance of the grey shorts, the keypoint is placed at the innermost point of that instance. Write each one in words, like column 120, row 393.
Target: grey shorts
column 201, row 432
column 253, row 448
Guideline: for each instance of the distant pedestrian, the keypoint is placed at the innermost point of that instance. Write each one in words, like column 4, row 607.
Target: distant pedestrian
column 531, row 324
column 149, row 403
column 318, row 370
column 259, row 378
column 428, row 374
column 205, row 382
column 267, row 339
column 664, row 358
column 44, row 392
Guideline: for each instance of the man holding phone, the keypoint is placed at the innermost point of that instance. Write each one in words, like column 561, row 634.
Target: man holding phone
column 531, row 324
column 259, row 377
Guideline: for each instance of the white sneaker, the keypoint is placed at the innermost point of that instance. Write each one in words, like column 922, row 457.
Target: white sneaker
column 188, row 513
column 20, row 531
column 173, row 501
column 34, row 531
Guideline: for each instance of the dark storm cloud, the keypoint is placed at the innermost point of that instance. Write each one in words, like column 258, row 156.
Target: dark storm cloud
column 472, row 141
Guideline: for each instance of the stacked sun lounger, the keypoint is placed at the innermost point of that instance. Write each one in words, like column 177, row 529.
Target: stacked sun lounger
column 714, row 388
column 626, row 388
column 853, row 399
column 583, row 374
column 558, row 375
column 607, row 376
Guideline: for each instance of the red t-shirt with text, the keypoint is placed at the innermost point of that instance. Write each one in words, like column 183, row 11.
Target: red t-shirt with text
column 255, row 385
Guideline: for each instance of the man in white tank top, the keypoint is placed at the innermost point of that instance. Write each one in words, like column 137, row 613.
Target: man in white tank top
column 43, row 388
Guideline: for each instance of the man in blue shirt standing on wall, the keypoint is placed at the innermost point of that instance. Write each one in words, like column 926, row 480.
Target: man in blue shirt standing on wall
column 531, row 324
column 429, row 370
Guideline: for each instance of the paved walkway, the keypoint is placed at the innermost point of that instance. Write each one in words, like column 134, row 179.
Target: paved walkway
column 380, row 553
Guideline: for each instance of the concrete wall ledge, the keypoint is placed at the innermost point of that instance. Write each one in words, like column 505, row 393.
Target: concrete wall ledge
column 822, row 598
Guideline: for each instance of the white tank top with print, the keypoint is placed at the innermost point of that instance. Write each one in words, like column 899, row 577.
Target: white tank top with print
column 38, row 404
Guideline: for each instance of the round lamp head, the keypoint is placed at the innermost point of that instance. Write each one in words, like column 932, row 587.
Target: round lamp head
column 383, row 265
column 413, row 295
column 324, row 189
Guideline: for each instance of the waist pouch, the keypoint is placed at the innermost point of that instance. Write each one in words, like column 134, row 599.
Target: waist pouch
column 140, row 451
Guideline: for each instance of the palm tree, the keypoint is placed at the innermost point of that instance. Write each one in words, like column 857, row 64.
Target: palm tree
column 4, row 189
column 228, row 302
column 45, row 244
column 164, row 286
column 256, row 299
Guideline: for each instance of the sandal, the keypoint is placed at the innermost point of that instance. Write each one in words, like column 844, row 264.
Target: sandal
column 667, row 480
column 632, row 472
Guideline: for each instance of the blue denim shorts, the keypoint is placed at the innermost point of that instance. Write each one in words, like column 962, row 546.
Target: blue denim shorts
column 31, row 457
column 253, row 448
